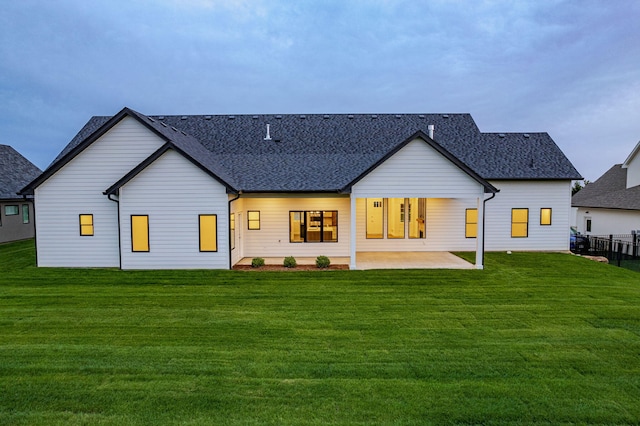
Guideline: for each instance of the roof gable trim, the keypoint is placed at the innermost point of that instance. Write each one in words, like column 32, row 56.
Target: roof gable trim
column 488, row 187
column 125, row 112
column 113, row 189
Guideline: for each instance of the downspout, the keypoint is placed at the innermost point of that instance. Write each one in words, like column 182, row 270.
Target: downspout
column 119, row 242
column 484, row 218
column 229, row 225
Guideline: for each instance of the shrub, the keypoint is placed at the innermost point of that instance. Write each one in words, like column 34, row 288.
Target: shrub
column 290, row 262
column 257, row 262
column 322, row 262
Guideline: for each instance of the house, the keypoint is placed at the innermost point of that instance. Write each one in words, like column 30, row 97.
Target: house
column 204, row 191
column 611, row 204
column 16, row 213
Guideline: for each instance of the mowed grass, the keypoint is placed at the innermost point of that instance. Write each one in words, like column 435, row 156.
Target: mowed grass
column 533, row 339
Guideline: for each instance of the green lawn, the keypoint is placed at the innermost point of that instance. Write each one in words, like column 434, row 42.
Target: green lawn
column 532, row 339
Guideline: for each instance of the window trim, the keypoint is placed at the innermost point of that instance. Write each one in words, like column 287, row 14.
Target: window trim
column 366, row 212
column 12, row 205
column 304, row 215
column 215, row 236
column 251, row 221
column 513, row 210
column 25, row 210
column 550, row 216
column 81, row 225
column 467, row 223
column 148, row 245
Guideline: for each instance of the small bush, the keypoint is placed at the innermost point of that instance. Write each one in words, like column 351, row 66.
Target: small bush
column 257, row 262
column 290, row 262
column 322, row 262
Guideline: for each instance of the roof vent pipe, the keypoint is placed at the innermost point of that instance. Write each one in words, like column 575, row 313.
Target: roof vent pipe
column 268, row 137
column 431, row 127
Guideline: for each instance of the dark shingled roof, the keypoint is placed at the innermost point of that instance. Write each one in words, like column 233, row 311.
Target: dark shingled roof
column 327, row 152
column 609, row 192
column 15, row 172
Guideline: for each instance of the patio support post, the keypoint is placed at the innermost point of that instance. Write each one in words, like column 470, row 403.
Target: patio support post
column 480, row 235
column 352, row 234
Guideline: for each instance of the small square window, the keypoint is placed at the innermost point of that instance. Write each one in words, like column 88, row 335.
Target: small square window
column 253, row 218
column 11, row 210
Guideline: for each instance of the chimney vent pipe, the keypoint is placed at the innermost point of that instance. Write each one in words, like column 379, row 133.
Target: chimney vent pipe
column 431, row 127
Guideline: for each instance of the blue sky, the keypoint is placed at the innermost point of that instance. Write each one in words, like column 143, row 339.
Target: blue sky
column 569, row 68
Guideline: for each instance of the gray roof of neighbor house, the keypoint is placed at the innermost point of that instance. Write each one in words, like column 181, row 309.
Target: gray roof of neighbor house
column 328, row 152
column 15, row 172
column 609, row 192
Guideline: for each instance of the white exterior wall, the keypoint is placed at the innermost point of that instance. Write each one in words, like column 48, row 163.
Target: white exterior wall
column 608, row 221
column 77, row 188
column 417, row 170
column 633, row 172
column 272, row 239
column 444, row 228
column 173, row 192
column 533, row 195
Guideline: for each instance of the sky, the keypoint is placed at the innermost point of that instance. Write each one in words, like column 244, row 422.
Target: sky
column 569, row 68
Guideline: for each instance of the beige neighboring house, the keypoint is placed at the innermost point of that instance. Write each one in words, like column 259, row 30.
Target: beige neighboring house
column 611, row 204
column 16, row 212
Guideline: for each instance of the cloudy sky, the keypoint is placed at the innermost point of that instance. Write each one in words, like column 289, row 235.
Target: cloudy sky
column 570, row 68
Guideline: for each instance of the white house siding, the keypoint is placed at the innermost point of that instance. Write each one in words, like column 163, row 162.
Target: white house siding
column 633, row 171
column 272, row 239
column 444, row 229
column 533, row 195
column 77, row 188
column 173, row 192
column 417, row 170
column 608, row 221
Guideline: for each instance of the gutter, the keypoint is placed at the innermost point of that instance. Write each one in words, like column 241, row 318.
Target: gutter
column 484, row 218
column 119, row 232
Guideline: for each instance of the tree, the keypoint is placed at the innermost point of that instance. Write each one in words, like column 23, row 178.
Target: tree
column 577, row 186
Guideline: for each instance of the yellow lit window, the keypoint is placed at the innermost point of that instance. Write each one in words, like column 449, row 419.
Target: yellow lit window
column 139, row 233
column 545, row 216
column 86, row 224
column 375, row 221
column 254, row 219
column 208, row 232
column 519, row 223
column 471, row 223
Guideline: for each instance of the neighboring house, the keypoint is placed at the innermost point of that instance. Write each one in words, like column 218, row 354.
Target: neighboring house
column 16, row 212
column 204, row 191
column 611, row 204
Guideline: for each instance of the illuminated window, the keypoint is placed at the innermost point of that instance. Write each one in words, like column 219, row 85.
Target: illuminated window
column 471, row 223
column 313, row 226
column 139, row 233
column 519, row 223
column 25, row 213
column 86, row 224
column 395, row 218
column 232, row 227
column 253, row 217
column 545, row 216
column 208, row 232
column 416, row 214
column 10, row 210
column 375, row 218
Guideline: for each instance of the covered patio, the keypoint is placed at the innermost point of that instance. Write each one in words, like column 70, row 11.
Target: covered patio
column 384, row 260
